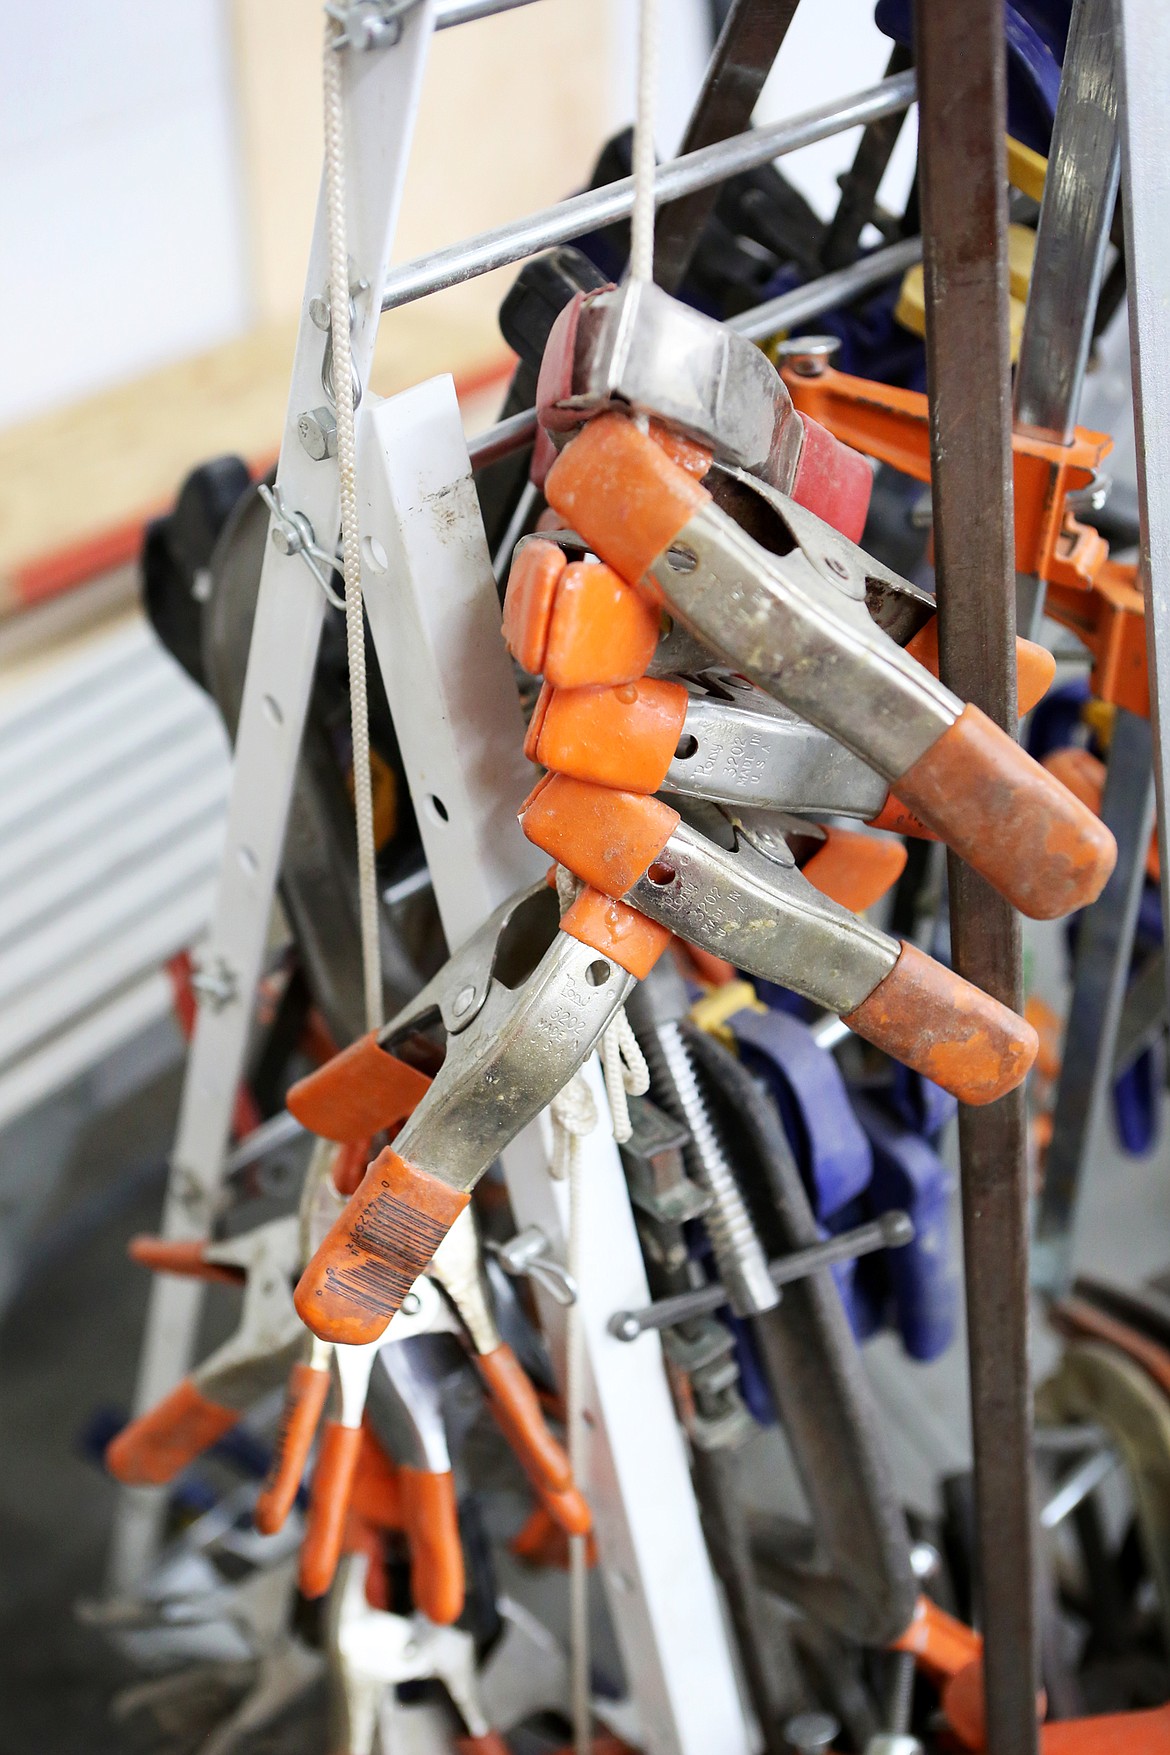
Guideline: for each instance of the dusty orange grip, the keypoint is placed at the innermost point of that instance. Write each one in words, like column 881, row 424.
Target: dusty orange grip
column 617, row 931
column 328, row 1506
column 1118, row 1733
column 621, row 492
column 360, row 1091
column 170, row 1255
column 1084, row 775
column 431, row 1520
column 350, row 1164
column 532, row 735
column 1009, row 819
column 601, row 631
column 1035, row 665
column 375, row 1497
column 931, row 1019
column 528, row 602
column 895, row 817
column 491, row 1743
column 304, row 1403
column 152, row 1450
column 855, row 870
column 375, row 1250
column 622, row 736
column 516, row 1407
column 608, row 837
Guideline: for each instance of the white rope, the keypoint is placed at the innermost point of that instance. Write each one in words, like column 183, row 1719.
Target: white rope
column 626, row 1072
column 580, row 1708
column 343, row 399
column 642, row 222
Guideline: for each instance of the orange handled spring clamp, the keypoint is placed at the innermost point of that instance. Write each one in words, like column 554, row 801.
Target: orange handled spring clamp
column 522, row 1005
column 795, row 622
column 270, row 1339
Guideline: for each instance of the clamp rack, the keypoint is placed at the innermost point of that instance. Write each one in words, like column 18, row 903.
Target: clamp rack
column 432, row 607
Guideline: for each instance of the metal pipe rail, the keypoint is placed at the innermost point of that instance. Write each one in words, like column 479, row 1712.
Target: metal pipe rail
column 681, row 176
column 797, row 306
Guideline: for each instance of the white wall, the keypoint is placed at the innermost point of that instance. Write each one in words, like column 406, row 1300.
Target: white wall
column 118, row 195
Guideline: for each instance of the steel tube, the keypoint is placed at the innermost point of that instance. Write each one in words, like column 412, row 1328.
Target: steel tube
column 960, row 52
column 597, row 207
column 467, row 11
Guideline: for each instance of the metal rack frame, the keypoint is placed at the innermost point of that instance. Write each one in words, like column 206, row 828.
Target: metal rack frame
column 459, row 729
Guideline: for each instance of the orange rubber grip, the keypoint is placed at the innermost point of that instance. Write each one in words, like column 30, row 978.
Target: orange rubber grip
column 328, row 1506
column 606, row 836
column 491, row 1743
column 568, row 1508
column 853, row 869
column 618, row 931
column 942, row 1644
column 357, row 1093
column 931, row 1019
column 621, row 492
column 304, row 1403
column 1009, row 819
column 350, row 1165
column 171, row 1255
column 521, row 1419
column 600, row 630
column 153, row 1449
column 430, row 1517
column 528, row 602
column 622, row 736
column 1035, row 665
column 375, row 1250
column 375, row 1497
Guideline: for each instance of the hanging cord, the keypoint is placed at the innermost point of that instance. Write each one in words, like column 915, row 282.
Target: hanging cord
column 642, row 222
column 355, row 638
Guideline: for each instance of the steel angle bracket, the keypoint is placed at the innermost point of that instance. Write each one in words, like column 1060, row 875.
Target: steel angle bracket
column 380, row 94
column 435, row 619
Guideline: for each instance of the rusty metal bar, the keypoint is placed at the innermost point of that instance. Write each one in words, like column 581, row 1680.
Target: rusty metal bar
column 960, row 53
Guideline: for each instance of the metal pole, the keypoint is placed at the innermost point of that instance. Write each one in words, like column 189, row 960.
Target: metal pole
column 960, row 53
column 597, row 207
column 749, row 42
column 1144, row 55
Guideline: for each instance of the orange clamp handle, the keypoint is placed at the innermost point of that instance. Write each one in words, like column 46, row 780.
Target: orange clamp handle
column 304, row 1403
column 1009, row 819
column 576, row 624
column 329, row 1498
column 622, row 736
column 153, row 1449
column 568, row 1508
column 357, row 1093
column 520, row 1417
column 430, row 1517
column 605, row 835
column 528, row 602
column 617, row 931
column 622, row 493
column 942, row 1644
column 855, row 870
column 375, row 1250
column 169, row 1255
column 932, row 1020
column 1035, row 665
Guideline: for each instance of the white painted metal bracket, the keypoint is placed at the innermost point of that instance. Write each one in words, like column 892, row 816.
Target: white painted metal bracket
column 434, row 614
column 380, row 91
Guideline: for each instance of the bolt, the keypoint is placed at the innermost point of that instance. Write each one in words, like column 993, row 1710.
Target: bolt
column 624, row 1326
column 216, row 986
column 809, row 355
column 811, row 1732
column 464, row 1000
column 925, row 1561
column 411, row 1304
column 317, row 431
column 319, row 312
